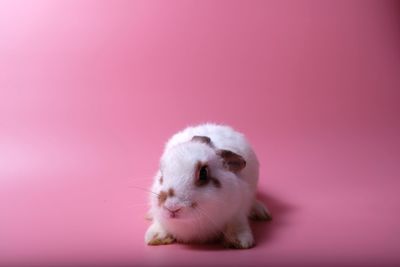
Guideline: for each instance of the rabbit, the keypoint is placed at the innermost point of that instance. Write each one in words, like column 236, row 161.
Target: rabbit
column 205, row 189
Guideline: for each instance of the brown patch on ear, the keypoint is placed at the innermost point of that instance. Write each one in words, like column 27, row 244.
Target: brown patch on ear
column 202, row 139
column 232, row 161
column 161, row 180
column 162, row 197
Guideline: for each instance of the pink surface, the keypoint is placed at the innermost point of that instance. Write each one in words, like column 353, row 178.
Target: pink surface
column 91, row 90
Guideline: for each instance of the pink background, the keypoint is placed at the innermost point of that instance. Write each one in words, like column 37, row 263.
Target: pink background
column 91, row 90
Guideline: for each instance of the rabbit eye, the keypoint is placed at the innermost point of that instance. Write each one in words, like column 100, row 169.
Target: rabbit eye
column 203, row 175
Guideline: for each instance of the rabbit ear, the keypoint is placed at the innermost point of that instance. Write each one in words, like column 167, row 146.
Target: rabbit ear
column 232, row 161
column 202, row 139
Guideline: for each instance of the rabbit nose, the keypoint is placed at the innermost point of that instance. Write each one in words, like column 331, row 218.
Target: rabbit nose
column 173, row 210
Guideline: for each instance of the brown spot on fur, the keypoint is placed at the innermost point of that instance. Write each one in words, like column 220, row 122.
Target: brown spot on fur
column 161, row 180
column 194, row 205
column 171, row 192
column 162, row 197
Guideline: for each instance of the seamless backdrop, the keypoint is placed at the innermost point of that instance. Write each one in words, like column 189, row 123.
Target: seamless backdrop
column 91, row 90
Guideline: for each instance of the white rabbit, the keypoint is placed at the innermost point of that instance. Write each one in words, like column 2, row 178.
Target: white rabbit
column 205, row 189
